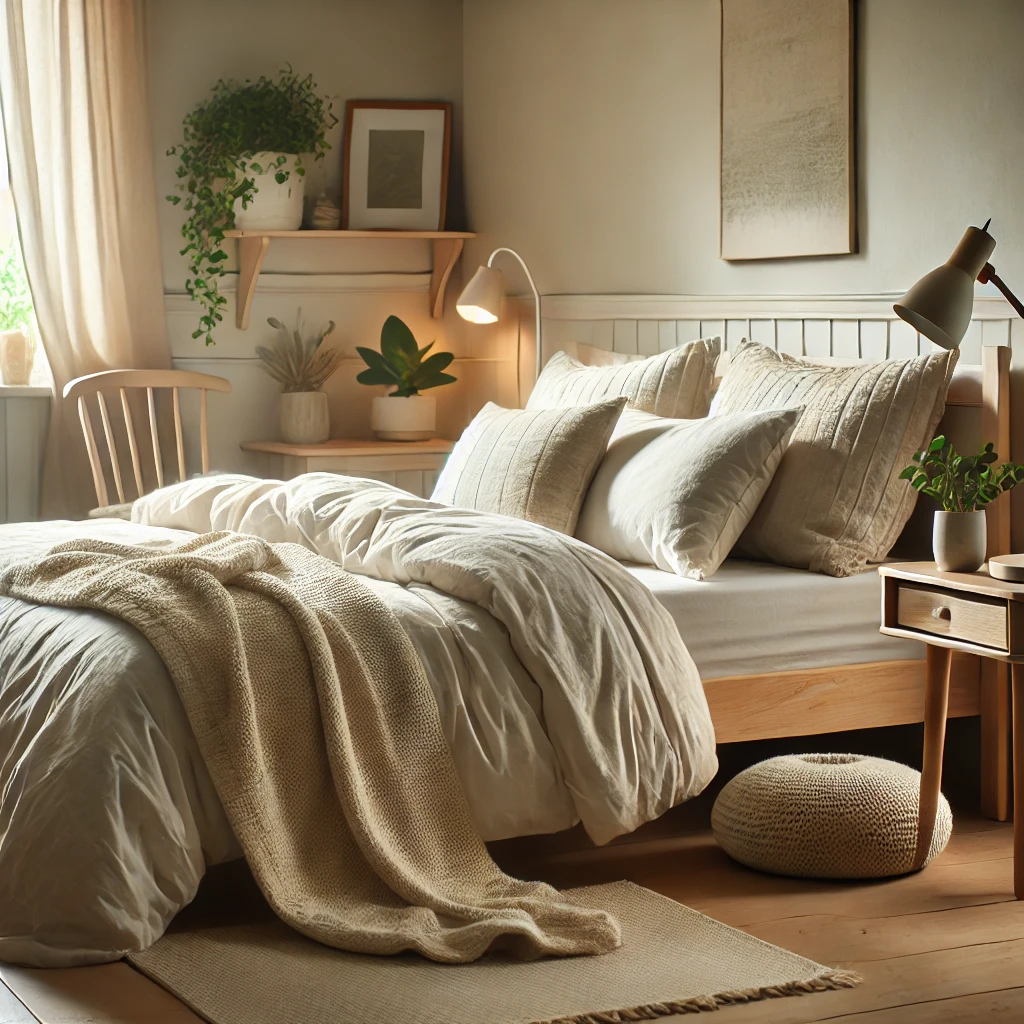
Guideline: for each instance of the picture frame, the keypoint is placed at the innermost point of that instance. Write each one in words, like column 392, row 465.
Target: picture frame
column 396, row 162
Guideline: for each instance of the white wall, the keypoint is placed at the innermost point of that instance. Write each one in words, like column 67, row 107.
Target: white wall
column 592, row 128
column 355, row 49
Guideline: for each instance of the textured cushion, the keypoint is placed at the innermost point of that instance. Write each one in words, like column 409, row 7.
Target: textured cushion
column 826, row 816
column 836, row 501
column 534, row 465
column 678, row 493
column 676, row 383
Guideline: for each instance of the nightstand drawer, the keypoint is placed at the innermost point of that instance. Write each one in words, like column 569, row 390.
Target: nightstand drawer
column 969, row 617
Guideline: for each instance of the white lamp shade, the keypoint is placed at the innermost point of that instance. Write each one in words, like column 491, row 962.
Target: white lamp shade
column 480, row 301
column 941, row 304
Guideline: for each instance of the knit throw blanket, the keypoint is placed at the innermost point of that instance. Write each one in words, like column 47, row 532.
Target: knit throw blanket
column 321, row 734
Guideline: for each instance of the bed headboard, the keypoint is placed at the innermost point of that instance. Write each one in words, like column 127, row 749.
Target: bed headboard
column 613, row 328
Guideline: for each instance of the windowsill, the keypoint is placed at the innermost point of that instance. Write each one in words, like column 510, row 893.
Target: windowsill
column 23, row 391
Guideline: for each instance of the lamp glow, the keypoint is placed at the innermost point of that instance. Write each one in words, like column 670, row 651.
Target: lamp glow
column 480, row 303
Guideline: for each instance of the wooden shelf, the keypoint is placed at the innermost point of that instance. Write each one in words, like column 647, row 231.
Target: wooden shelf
column 253, row 246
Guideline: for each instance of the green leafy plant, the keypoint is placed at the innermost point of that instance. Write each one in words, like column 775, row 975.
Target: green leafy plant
column 296, row 364
column 400, row 363
column 15, row 297
column 285, row 115
column 961, row 483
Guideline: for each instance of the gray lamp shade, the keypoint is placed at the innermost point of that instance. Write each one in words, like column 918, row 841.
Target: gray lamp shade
column 941, row 304
column 480, row 301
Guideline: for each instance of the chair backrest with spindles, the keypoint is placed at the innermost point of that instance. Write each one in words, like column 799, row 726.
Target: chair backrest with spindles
column 150, row 380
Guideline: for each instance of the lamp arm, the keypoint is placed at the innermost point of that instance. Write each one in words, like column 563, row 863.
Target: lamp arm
column 988, row 273
column 536, row 299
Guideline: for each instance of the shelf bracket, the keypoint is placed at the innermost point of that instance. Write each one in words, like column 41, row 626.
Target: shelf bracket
column 446, row 255
column 251, row 250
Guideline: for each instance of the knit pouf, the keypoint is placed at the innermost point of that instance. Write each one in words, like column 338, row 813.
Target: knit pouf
column 826, row 816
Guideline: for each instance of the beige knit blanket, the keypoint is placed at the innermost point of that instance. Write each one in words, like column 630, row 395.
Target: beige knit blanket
column 321, row 734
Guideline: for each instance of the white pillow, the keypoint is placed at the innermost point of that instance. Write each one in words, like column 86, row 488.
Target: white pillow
column 531, row 464
column 675, row 383
column 678, row 493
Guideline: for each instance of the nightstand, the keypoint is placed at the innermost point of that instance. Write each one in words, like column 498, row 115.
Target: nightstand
column 411, row 465
column 954, row 611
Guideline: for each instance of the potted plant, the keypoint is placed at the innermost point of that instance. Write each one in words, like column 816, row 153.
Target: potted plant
column 17, row 349
column 241, row 165
column 301, row 367
column 963, row 485
column 404, row 414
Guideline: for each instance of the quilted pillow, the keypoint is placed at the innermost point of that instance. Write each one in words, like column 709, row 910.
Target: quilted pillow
column 530, row 464
column 836, row 501
column 676, row 383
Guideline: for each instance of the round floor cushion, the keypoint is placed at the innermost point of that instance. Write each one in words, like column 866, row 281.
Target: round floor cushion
column 825, row 816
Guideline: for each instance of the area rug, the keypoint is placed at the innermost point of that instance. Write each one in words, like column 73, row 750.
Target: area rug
column 672, row 960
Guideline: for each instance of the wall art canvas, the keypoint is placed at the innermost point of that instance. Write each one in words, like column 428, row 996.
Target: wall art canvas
column 787, row 161
column 396, row 165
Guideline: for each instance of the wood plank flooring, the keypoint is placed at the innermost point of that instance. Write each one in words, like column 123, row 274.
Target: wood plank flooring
column 943, row 945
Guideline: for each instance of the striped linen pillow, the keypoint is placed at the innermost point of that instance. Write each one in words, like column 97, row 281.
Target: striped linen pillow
column 676, row 384
column 836, row 501
column 530, row 464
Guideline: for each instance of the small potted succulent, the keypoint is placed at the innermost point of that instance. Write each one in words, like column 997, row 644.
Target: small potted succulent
column 404, row 414
column 241, row 165
column 17, row 348
column 301, row 367
column 963, row 485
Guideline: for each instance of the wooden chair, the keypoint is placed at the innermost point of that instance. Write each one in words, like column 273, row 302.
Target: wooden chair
column 123, row 380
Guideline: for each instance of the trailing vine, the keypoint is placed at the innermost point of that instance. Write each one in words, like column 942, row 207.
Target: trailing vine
column 285, row 115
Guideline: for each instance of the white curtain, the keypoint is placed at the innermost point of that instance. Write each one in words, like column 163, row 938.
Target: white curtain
column 73, row 96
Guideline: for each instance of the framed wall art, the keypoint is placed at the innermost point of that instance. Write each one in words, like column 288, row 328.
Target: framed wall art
column 787, row 160
column 396, row 165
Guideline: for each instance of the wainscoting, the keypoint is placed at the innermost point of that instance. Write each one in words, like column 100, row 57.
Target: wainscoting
column 24, row 420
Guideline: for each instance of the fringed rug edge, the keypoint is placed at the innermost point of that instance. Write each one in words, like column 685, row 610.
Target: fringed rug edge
column 823, row 981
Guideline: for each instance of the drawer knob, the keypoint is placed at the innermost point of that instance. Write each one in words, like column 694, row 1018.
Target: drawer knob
column 942, row 613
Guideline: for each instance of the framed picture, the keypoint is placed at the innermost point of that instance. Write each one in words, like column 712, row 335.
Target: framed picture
column 396, row 165
column 787, row 160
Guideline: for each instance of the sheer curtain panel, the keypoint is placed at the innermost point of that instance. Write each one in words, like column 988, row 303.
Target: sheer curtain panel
column 73, row 95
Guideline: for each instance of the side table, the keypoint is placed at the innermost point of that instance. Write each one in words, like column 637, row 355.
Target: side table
column 970, row 612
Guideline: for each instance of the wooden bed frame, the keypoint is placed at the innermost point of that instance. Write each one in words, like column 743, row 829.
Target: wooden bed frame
column 870, row 695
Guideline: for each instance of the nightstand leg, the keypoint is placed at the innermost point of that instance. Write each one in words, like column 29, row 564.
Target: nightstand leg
column 936, row 702
column 1018, row 781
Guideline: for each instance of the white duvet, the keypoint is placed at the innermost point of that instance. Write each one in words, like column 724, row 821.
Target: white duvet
column 564, row 689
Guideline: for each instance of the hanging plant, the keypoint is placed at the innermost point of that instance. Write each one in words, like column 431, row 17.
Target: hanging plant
column 285, row 115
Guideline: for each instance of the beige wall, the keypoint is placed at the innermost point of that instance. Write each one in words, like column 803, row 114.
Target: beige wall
column 355, row 49
column 592, row 131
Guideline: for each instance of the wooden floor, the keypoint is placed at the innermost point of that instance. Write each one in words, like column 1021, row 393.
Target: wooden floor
column 943, row 945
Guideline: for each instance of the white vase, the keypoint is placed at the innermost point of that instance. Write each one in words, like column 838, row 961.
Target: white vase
column 274, row 207
column 16, row 357
column 404, row 419
column 304, row 417
column 959, row 541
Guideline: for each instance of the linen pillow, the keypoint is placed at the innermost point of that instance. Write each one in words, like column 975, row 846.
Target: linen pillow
column 836, row 501
column 676, row 383
column 678, row 493
column 531, row 464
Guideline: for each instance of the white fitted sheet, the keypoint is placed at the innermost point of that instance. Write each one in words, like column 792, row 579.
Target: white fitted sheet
column 754, row 617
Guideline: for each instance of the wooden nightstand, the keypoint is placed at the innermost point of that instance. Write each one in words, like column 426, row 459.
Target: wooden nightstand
column 411, row 465
column 970, row 612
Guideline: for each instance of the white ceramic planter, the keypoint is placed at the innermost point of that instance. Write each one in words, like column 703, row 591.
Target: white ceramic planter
column 16, row 357
column 404, row 419
column 959, row 541
column 304, row 417
column 274, row 207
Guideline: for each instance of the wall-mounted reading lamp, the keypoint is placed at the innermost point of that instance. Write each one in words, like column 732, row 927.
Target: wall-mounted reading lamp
column 941, row 304
column 480, row 303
